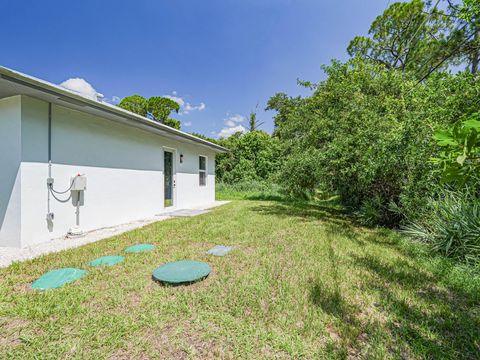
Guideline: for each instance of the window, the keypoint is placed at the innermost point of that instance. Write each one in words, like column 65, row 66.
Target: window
column 202, row 170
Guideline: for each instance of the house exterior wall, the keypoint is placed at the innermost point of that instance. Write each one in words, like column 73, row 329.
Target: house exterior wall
column 123, row 165
column 10, row 170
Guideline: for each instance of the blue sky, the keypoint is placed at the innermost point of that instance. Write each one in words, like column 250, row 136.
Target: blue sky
column 225, row 54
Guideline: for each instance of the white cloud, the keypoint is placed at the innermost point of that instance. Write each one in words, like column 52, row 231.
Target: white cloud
column 185, row 107
column 177, row 99
column 82, row 87
column 114, row 100
column 229, row 131
column 188, row 107
column 237, row 118
column 232, row 126
column 234, row 120
column 187, row 123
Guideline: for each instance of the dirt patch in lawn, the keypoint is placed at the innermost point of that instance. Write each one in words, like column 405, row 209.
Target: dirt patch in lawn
column 128, row 355
column 183, row 341
column 10, row 331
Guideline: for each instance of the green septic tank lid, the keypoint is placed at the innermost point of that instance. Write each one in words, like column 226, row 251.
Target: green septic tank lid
column 107, row 261
column 57, row 278
column 179, row 272
column 139, row 248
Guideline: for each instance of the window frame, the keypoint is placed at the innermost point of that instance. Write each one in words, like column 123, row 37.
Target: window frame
column 205, row 171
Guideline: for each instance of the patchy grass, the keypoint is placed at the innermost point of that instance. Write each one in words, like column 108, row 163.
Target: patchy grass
column 302, row 282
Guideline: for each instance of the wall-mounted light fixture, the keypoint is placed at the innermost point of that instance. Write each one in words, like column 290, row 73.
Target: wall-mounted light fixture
column 181, row 158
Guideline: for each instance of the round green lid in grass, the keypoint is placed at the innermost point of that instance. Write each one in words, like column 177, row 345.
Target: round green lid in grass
column 184, row 271
column 57, row 278
column 107, row 261
column 139, row 248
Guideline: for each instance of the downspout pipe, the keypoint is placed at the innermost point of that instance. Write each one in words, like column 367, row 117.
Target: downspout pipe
column 49, row 213
column 49, row 134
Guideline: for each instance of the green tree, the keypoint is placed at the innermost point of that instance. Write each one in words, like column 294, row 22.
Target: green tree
column 135, row 103
column 469, row 9
column 160, row 109
column 252, row 120
column 253, row 123
column 366, row 130
column 467, row 15
column 156, row 107
column 408, row 36
column 300, row 174
column 285, row 108
column 252, row 156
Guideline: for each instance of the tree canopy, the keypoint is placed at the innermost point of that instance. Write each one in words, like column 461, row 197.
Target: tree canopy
column 253, row 156
column 157, row 108
column 408, row 36
column 469, row 10
column 367, row 134
column 135, row 103
column 467, row 15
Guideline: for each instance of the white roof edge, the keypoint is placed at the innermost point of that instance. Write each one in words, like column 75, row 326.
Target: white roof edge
column 45, row 86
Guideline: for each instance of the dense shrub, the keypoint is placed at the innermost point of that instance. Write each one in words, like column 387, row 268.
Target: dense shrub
column 372, row 129
column 460, row 155
column 451, row 220
column 299, row 176
column 253, row 156
column 452, row 225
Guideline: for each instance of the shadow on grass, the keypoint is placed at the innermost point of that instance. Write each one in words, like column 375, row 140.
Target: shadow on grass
column 303, row 210
column 435, row 321
column 346, row 230
column 400, row 272
column 431, row 304
column 335, row 220
column 326, row 293
column 330, row 301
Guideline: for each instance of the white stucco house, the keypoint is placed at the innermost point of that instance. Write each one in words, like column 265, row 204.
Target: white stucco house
column 134, row 167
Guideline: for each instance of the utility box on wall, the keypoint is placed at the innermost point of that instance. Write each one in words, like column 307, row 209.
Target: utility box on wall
column 79, row 183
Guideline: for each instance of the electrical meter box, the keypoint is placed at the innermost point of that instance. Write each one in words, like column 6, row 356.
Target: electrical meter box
column 78, row 198
column 79, row 183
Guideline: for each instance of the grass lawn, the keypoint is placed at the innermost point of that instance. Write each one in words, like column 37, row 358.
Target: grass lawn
column 302, row 282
